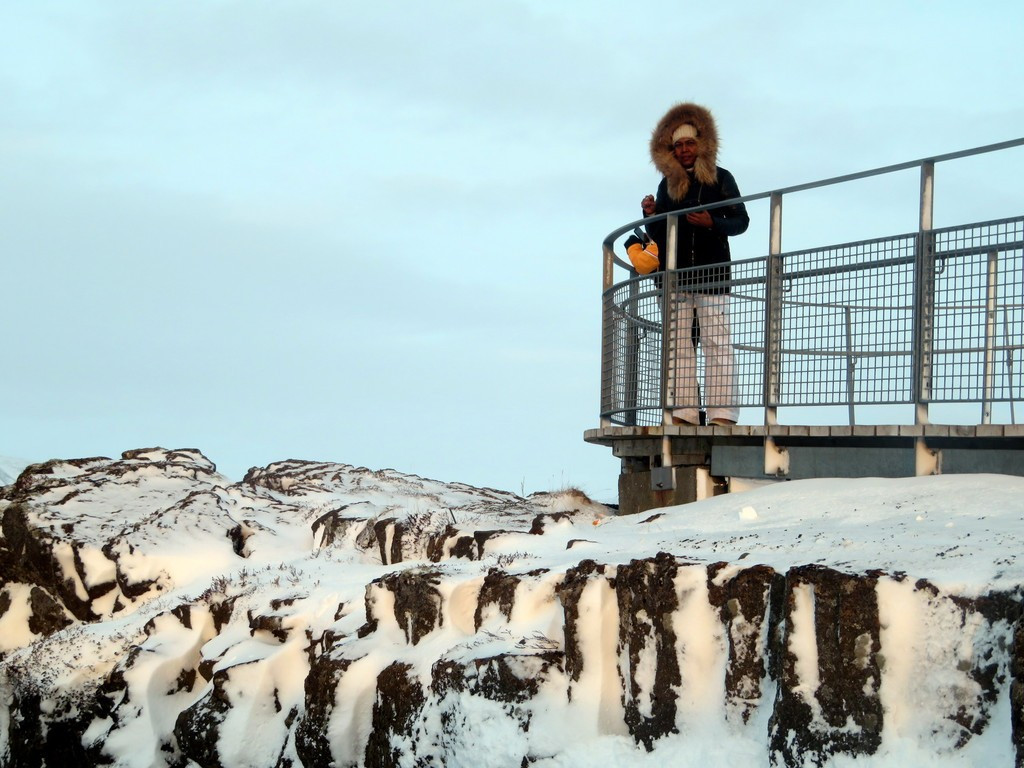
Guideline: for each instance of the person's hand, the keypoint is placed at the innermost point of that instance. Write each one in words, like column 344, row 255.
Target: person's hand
column 648, row 205
column 700, row 219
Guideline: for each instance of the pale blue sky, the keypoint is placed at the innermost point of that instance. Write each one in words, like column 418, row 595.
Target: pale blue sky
column 370, row 233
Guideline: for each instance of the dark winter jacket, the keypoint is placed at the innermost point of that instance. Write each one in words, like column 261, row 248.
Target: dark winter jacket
column 707, row 183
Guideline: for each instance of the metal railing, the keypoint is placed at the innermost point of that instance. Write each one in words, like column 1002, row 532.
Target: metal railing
column 931, row 316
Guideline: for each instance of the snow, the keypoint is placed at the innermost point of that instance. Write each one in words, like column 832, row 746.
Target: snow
column 14, row 631
column 963, row 534
column 703, row 648
column 803, row 645
column 955, row 530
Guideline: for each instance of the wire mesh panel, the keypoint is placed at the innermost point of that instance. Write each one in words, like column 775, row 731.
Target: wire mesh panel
column 747, row 318
column 734, row 307
column 979, row 313
column 847, row 324
column 631, row 382
column 847, row 328
column 716, row 361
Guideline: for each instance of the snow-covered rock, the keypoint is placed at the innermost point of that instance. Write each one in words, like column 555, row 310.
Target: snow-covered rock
column 154, row 613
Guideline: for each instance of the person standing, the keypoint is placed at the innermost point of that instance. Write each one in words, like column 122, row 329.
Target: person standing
column 684, row 148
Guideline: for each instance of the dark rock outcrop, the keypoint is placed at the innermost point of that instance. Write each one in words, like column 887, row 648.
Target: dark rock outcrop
column 838, row 710
column 750, row 607
column 398, row 704
column 312, row 742
column 648, row 599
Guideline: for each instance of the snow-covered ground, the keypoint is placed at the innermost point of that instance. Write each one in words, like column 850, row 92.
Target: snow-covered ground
column 309, row 552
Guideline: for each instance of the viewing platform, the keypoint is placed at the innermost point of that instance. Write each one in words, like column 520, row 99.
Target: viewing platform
column 902, row 331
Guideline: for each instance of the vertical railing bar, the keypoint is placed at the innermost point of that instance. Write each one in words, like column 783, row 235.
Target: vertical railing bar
column 926, row 460
column 1009, row 363
column 776, row 459
column 667, row 355
column 607, row 353
column 667, row 326
column 851, row 362
column 924, row 283
column 631, row 358
column 773, row 312
column 988, row 363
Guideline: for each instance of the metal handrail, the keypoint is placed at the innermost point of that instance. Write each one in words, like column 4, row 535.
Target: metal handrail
column 885, row 169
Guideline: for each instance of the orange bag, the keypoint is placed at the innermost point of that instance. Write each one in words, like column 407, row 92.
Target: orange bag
column 643, row 256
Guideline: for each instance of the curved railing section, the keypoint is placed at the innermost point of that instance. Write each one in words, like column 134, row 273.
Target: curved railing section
column 926, row 317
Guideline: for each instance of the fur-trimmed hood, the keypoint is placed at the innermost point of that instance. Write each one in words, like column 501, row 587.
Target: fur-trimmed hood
column 706, row 167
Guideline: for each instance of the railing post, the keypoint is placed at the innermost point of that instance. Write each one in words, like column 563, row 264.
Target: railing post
column 988, row 368
column 607, row 353
column 926, row 460
column 773, row 312
column 776, row 460
column 1009, row 364
column 667, row 322
column 668, row 481
column 851, row 365
column 631, row 357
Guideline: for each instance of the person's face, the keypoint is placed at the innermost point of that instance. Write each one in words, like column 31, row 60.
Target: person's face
column 685, row 151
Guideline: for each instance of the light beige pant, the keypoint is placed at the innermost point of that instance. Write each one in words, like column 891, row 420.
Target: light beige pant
column 715, row 342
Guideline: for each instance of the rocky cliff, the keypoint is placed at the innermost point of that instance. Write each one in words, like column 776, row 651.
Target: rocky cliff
column 154, row 613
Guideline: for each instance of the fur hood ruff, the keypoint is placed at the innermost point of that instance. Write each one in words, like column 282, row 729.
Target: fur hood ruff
column 706, row 168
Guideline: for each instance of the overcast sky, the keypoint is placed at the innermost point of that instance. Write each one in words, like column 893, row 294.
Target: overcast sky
column 370, row 233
